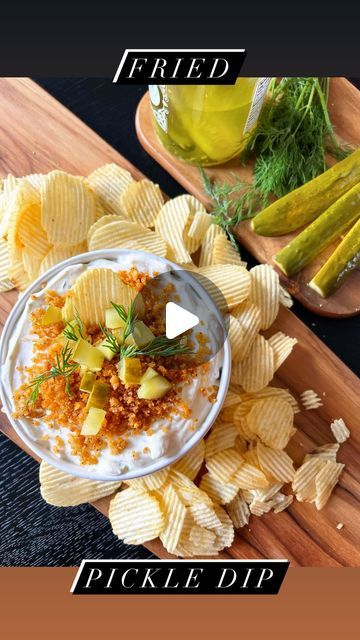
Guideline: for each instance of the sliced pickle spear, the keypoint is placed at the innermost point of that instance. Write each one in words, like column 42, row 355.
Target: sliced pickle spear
column 99, row 395
column 86, row 354
column 301, row 206
column 341, row 263
column 320, row 233
column 130, row 370
column 87, row 381
column 156, row 387
column 93, row 422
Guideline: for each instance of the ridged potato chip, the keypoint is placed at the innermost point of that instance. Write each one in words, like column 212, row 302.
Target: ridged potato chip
column 265, row 293
column 31, row 234
column 258, row 508
column 141, row 202
column 64, row 490
column 224, row 252
column 238, row 511
column 339, row 430
column 31, row 263
column 225, row 533
column 272, row 392
column 123, row 233
column 218, row 492
column 186, row 489
column 170, row 225
column 232, row 397
column 271, row 419
column 257, row 369
column 325, row 482
column 68, row 208
column 207, row 245
column 325, row 451
column 232, row 281
column 222, row 436
column 191, row 463
column 175, row 513
column 93, row 292
column 304, row 479
column 199, row 225
column 25, row 200
column 282, row 345
column 57, row 254
column 102, row 221
column 136, row 516
column 224, row 464
column 154, row 481
column 5, row 282
column 193, row 206
column 17, row 273
column 236, row 337
column 109, row 182
column 249, row 477
column 249, row 317
column 276, row 464
column 204, row 515
column 282, row 502
column 202, row 540
column 7, row 198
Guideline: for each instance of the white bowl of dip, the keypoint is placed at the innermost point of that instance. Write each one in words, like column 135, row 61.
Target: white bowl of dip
column 165, row 446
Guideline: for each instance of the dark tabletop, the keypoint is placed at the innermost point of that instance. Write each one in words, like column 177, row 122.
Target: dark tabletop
column 32, row 532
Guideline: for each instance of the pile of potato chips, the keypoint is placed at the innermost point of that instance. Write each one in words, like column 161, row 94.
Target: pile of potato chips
column 46, row 218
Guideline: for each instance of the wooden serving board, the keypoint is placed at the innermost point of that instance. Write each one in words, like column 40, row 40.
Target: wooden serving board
column 344, row 105
column 39, row 134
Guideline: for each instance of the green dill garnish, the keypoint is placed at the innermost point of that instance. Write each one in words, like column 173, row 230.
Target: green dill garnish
column 289, row 144
column 233, row 202
column 159, row 346
column 63, row 368
column 69, row 330
column 291, row 138
column 165, row 347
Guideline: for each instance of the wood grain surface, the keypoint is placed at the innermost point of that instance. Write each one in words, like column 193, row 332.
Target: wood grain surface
column 38, row 134
column 344, row 107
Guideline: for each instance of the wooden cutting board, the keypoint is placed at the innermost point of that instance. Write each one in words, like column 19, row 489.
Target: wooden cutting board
column 39, row 134
column 344, row 106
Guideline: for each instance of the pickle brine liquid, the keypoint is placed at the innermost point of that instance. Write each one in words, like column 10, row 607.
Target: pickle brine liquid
column 207, row 124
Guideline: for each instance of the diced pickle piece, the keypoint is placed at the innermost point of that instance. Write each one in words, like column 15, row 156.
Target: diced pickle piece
column 51, row 316
column 139, row 306
column 156, row 387
column 149, row 373
column 86, row 354
column 99, row 395
column 113, row 320
column 130, row 370
column 141, row 335
column 108, row 353
column 93, row 422
column 87, row 381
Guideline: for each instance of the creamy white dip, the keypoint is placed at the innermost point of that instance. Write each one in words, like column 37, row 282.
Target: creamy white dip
column 168, row 436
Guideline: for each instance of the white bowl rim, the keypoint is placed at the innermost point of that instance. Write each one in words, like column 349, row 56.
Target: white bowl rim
column 84, row 471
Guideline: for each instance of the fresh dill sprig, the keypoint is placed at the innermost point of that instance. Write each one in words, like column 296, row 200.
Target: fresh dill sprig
column 111, row 342
column 165, row 347
column 63, row 367
column 233, row 202
column 291, row 138
column 69, row 330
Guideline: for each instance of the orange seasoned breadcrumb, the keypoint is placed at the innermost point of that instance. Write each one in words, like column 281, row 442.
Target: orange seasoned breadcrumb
column 125, row 412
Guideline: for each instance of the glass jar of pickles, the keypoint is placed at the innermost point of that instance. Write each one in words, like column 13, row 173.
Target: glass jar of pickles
column 207, row 124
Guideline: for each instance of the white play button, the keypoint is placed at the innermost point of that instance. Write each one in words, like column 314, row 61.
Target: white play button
column 178, row 320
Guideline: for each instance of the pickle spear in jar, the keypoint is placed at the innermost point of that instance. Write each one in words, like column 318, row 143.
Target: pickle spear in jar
column 341, row 263
column 320, row 233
